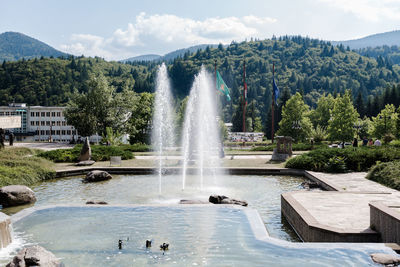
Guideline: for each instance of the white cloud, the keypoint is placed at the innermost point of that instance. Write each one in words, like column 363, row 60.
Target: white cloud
column 164, row 33
column 369, row 10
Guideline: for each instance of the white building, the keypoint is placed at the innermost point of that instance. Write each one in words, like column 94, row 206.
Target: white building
column 41, row 123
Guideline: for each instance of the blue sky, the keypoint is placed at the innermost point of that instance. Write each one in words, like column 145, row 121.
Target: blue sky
column 121, row 29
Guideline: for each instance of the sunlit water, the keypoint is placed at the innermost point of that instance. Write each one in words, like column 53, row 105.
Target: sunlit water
column 211, row 236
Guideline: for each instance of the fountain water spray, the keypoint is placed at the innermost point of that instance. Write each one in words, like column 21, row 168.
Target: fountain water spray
column 163, row 120
column 200, row 144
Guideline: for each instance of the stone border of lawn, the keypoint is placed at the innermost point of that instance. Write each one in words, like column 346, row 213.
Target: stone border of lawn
column 326, row 185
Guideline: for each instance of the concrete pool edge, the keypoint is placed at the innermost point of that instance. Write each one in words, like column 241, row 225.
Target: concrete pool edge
column 255, row 222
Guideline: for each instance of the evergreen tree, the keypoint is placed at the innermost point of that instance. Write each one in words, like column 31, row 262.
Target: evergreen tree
column 360, row 107
column 343, row 118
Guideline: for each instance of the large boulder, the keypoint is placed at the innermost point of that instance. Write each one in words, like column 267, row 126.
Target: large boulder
column 217, row 199
column 86, row 152
column 35, row 256
column 96, row 176
column 14, row 195
column 386, row 259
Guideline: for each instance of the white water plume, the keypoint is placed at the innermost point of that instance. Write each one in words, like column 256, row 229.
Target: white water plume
column 201, row 143
column 163, row 119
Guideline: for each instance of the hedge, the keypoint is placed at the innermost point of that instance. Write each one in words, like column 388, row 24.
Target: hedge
column 359, row 159
column 387, row 173
column 99, row 153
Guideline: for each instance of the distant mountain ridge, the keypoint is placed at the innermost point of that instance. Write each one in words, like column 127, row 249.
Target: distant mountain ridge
column 15, row 46
column 169, row 56
column 379, row 39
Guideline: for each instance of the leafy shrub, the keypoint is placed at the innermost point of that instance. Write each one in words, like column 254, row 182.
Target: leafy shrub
column 360, row 159
column 138, row 147
column 336, row 165
column 295, row 147
column 99, row 153
column 387, row 173
column 395, row 143
column 387, row 138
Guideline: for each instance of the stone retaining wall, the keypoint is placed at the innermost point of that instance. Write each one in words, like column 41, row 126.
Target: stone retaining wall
column 309, row 230
column 385, row 220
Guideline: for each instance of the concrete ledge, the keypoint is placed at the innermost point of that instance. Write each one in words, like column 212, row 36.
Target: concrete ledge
column 174, row 170
column 310, row 230
column 386, row 221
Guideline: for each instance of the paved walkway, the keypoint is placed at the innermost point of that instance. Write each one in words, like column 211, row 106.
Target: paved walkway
column 347, row 208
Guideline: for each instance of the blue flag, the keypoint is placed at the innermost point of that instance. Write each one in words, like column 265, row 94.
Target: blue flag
column 275, row 91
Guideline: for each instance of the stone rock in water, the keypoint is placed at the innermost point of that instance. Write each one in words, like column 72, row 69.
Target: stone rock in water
column 14, row 195
column 91, row 202
column 34, row 256
column 97, row 176
column 86, row 152
column 217, row 199
column 385, row 259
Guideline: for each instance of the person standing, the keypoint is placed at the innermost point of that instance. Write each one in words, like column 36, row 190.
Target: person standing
column 365, row 141
column 377, row 143
column 11, row 138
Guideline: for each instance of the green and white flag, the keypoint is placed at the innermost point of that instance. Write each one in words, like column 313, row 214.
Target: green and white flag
column 222, row 86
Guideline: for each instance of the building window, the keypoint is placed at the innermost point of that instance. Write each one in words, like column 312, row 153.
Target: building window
column 42, row 123
column 68, row 132
column 32, row 123
column 64, row 123
column 53, row 114
column 58, row 114
column 47, row 123
column 47, row 132
column 37, row 123
column 47, row 114
column 63, row 132
column 74, row 132
column 37, row 114
column 43, row 114
column 41, row 132
column 58, row 123
column 53, row 132
column 58, row 132
column 32, row 114
column 53, row 123
column 7, row 113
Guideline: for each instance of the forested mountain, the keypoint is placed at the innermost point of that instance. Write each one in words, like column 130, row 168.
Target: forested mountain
column 311, row 67
column 149, row 57
column 389, row 53
column 380, row 39
column 51, row 81
column 169, row 56
column 15, row 46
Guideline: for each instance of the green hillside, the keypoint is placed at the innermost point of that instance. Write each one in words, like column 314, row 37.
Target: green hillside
column 304, row 65
column 15, row 46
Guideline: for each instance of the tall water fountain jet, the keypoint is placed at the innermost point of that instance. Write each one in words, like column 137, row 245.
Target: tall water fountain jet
column 163, row 120
column 201, row 143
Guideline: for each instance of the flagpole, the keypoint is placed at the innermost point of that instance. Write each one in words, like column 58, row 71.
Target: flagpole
column 244, row 96
column 273, row 104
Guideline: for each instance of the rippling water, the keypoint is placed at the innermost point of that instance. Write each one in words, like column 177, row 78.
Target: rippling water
column 261, row 192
